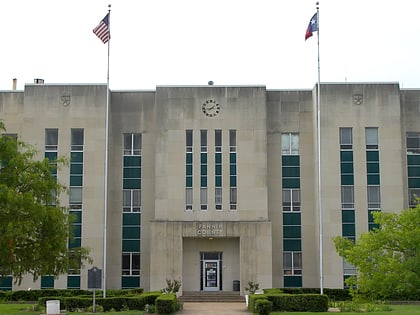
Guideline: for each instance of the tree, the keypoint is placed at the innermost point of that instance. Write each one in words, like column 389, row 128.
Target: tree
column 387, row 258
column 34, row 227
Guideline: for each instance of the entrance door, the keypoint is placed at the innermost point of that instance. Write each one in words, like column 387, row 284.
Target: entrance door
column 211, row 275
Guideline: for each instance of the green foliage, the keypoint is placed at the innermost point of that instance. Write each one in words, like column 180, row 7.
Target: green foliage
column 299, row 302
column 172, row 286
column 34, row 227
column 252, row 287
column 167, row 304
column 387, row 258
column 263, row 307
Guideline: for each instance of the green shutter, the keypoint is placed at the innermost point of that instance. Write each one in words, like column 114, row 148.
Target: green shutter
column 291, row 218
column 131, row 219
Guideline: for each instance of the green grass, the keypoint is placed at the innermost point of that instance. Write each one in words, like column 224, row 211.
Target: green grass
column 395, row 310
column 27, row 309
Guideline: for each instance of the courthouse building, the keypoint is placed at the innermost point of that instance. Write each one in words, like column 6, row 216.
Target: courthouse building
column 216, row 186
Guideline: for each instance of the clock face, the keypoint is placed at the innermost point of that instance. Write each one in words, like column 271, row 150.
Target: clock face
column 210, row 108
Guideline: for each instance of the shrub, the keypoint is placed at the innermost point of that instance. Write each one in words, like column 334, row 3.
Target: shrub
column 263, row 307
column 166, row 304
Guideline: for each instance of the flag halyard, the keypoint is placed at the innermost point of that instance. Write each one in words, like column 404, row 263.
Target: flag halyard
column 312, row 27
column 102, row 30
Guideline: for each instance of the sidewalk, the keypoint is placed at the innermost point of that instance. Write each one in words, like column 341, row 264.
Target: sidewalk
column 213, row 308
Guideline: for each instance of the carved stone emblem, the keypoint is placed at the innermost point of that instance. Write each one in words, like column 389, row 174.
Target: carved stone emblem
column 358, row 99
column 65, row 100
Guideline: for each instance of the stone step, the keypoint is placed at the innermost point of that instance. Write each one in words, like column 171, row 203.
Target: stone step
column 220, row 296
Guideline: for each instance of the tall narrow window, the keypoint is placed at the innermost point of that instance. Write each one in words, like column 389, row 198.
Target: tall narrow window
column 131, row 209
column 348, row 220
column 188, row 170
column 291, row 206
column 76, row 198
column 203, row 170
column 218, row 169
column 373, row 174
column 413, row 168
column 233, row 199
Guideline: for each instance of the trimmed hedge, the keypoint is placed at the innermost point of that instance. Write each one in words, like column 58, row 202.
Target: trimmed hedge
column 333, row 294
column 291, row 302
column 34, row 295
column 263, row 307
column 166, row 304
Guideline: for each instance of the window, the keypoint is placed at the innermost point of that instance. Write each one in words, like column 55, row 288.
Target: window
column 347, row 197
column 413, row 143
column 374, row 197
column 414, row 194
column 346, row 140
column 291, row 199
column 51, row 139
column 289, row 143
column 203, row 170
column 77, row 139
column 188, row 199
column 188, row 170
column 218, row 169
column 292, row 263
column 132, row 144
column 131, row 200
column 188, row 140
column 130, row 264
column 371, row 138
column 233, row 176
column 232, row 140
column 76, row 195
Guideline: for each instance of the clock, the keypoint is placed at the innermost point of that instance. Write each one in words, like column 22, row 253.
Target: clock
column 210, row 108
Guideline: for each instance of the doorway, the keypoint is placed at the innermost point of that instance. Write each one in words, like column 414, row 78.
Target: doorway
column 211, row 273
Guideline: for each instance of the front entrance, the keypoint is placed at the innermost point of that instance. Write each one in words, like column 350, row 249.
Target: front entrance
column 211, row 275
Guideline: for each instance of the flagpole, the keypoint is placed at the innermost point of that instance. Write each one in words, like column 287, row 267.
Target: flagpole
column 104, row 274
column 321, row 271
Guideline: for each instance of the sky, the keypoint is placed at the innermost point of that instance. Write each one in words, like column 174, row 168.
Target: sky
column 191, row 42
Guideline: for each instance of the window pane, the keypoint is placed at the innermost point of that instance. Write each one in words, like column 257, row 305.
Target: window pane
column 294, row 144
column 297, row 260
column 189, row 138
column 287, row 260
column 188, row 196
column 77, row 137
column 285, row 143
column 136, row 198
column 75, row 194
column 374, row 199
column 136, row 261
column 203, row 138
column 372, row 137
column 347, row 196
column 51, row 139
column 218, row 195
column 218, row 138
column 232, row 138
column 345, row 136
column 125, row 261
column 203, row 196
column 137, row 142
column 233, row 196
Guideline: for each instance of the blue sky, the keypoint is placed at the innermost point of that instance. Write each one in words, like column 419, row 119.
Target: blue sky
column 190, row 42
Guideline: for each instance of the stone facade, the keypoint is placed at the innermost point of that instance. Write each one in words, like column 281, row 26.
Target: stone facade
column 247, row 237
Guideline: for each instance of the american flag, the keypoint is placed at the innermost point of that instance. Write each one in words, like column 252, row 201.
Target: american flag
column 102, row 30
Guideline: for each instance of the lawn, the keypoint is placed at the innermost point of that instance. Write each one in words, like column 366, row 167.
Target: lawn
column 27, row 309
column 395, row 310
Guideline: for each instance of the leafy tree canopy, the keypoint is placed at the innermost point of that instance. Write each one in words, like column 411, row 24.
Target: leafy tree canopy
column 387, row 258
column 34, row 227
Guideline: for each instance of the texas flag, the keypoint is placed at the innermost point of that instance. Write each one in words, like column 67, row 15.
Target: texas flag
column 312, row 27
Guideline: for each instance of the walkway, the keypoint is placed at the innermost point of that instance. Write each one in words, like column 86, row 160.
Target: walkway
column 213, row 308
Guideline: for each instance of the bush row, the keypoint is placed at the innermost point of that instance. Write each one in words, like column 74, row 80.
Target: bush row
column 118, row 303
column 333, row 294
column 167, row 304
column 291, row 302
column 34, row 295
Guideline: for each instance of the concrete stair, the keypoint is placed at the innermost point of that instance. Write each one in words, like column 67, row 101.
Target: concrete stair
column 220, row 296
